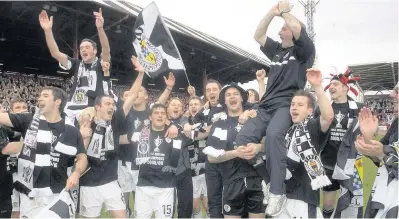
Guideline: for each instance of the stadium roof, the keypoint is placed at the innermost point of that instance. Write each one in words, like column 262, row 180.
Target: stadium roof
column 376, row 76
column 24, row 49
column 130, row 8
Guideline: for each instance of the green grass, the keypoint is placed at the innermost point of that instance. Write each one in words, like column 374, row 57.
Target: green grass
column 369, row 171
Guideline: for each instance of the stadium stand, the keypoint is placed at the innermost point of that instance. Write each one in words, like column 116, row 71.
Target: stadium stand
column 200, row 52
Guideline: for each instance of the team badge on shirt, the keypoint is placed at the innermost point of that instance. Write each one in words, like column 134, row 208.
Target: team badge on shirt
column 238, row 127
column 142, row 148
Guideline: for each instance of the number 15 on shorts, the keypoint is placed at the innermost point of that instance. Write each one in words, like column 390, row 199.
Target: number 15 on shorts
column 167, row 210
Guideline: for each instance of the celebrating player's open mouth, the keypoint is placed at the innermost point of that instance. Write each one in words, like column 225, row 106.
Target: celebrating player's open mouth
column 294, row 115
column 194, row 111
column 110, row 112
column 212, row 99
column 233, row 103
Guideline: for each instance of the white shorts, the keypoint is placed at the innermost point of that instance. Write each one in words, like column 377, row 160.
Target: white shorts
column 150, row 199
column 127, row 177
column 93, row 198
column 15, row 200
column 300, row 209
column 31, row 207
column 199, row 186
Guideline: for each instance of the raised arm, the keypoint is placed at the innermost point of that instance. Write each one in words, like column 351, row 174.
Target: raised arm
column 170, row 82
column 368, row 124
column 261, row 76
column 105, row 48
column 85, row 119
column 260, row 33
column 47, row 25
column 191, row 91
column 314, row 77
column 135, row 89
column 106, row 65
column 292, row 22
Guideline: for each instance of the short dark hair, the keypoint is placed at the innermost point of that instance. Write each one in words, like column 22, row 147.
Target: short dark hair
column 255, row 92
column 17, row 100
column 176, row 98
column 58, row 94
column 99, row 99
column 210, row 81
column 157, row 106
column 123, row 93
column 311, row 99
column 196, row 98
column 94, row 44
column 126, row 90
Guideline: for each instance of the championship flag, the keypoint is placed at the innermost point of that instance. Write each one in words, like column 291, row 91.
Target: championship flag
column 60, row 207
column 155, row 48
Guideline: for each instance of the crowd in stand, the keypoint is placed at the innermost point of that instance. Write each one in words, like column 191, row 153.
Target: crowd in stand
column 28, row 87
column 383, row 108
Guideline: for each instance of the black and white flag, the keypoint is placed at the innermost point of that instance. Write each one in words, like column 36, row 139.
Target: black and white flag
column 60, row 207
column 154, row 45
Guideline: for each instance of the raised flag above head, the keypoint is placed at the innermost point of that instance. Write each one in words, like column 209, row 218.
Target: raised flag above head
column 155, row 48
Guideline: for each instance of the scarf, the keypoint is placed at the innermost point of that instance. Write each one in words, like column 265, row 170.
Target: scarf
column 206, row 115
column 347, row 153
column 143, row 147
column 383, row 201
column 34, row 163
column 349, row 170
column 84, row 86
column 197, row 157
column 101, row 143
column 301, row 150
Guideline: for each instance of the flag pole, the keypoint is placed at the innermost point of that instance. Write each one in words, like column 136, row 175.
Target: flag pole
column 80, row 176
